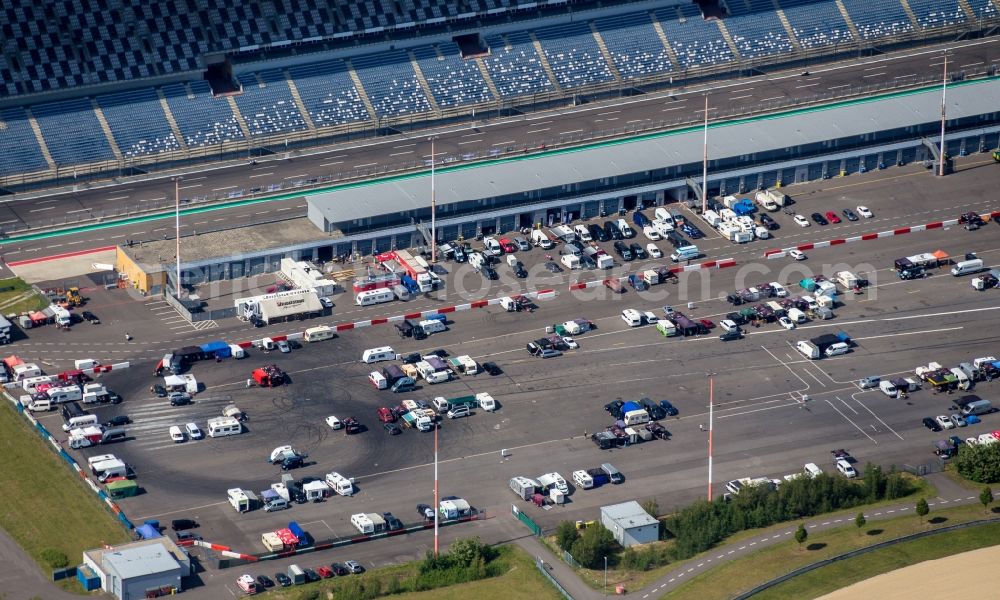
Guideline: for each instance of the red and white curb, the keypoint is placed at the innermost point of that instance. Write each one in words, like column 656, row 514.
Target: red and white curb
column 540, row 295
column 224, row 550
column 712, row 264
column 782, row 252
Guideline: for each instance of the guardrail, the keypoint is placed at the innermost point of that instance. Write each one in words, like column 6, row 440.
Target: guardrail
column 543, row 568
column 859, row 552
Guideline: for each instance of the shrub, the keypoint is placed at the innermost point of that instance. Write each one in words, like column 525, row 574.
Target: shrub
column 979, row 462
column 54, row 558
column 566, row 534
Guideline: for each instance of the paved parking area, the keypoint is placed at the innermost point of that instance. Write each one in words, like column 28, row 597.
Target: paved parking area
column 548, row 408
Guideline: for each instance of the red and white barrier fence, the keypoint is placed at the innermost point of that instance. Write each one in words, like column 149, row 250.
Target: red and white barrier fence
column 224, row 550
column 782, row 252
column 540, row 295
column 712, row 264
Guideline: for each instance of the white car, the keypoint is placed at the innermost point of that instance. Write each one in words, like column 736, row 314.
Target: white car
column 193, row 432
column 650, row 232
column 865, row 212
column 779, row 289
column 649, row 317
column 944, row 422
column 972, row 441
column 176, row 435
column 801, row 221
column 653, row 251
column 797, row 254
column 728, row 325
column 326, row 302
column 786, row 323
column 570, row 342
column 334, row 422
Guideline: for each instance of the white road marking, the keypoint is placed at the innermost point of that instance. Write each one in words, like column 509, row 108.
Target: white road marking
column 330, row 164
column 262, row 174
column 187, row 187
column 41, row 209
column 874, row 75
column 117, row 198
column 402, row 153
column 476, row 141
column 228, row 187
column 507, row 142
column 573, row 131
column 773, row 98
column 741, row 97
column 297, row 176
column 538, row 130
column 365, row 165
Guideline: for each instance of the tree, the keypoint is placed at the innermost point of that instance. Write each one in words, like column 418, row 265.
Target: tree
column 801, row 534
column 465, row 552
column 566, row 534
column 595, row 543
column 859, row 521
column 979, row 462
column 986, row 497
column 922, row 509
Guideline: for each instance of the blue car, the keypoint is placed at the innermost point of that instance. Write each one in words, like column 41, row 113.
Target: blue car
column 640, row 219
column 669, row 408
column 692, row 231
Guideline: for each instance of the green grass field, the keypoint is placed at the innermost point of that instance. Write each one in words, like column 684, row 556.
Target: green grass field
column 522, row 581
column 22, row 297
column 740, row 575
column 46, row 506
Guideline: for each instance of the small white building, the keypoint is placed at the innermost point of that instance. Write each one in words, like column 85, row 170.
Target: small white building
column 129, row 571
column 630, row 523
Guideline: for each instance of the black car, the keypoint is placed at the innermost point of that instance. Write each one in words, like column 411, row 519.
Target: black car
column 676, row 240
column 412, row 358
column 623, row 251
column 587, row 263
column 520, row 271
column 768, row 222
column 391, row 522
column 114, row 398
column 182, row 524
column 931, row 424
column 850, row 215
column 425, row 511
column 492, row 369
column 693, row 232
column 392, row 428
column 282, row 579
column 669, row 408
column 654, row 410
column 597, row 232
column 292, row 462
column 819, row 219
column 552, row 267
column 265, row 581
column 638, row 251
column 490, row 273
column 737, row 318
column 159, row 390
column 735, row 334
column 118, row 421
column 311, row 575
column 440, row 353
column 611, row 231
column 614, row 408
column 180, row 399
column 339, row 569
column 89, row 316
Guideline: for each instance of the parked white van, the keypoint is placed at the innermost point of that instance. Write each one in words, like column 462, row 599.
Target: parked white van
column 967, row 266
column 477, row 260
column 838, row 349
column 432, row 326
column 662, row 214
column 378, row 380
column 632, row 317
column 176, row 435
column 685, row 253
column 812, row 470
column 623, row 227
column 583, row 233
column 80, row 422
column 369, row 297
column 845, row 467
column 374, row 355
column 797, row 316
column 541, row 239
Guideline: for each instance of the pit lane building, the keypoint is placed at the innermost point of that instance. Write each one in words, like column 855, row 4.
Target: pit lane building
column 496, row 196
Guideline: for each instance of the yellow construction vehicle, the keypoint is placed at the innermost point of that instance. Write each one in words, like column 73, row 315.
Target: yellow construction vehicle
column 74, row 298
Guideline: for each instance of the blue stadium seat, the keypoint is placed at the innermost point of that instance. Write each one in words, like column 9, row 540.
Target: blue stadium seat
column 983, row 9
column 72, row 132
column 694, row 41
column 573, row 55
column 268, row 110
column 756, row 30
column 516, row 69
column 634, row 46
column 137, row 122
column 816, row 23
column 328, row 93
column 452, row 80
column 18, row 145
column 391, row 84
column 202, row 119
column 876, row 19
column 937, row 13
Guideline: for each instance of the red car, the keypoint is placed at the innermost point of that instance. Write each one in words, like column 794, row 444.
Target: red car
column 832, row 217
column 324, row 571
column 386, row 415
column 708, row 324
column 508, row 246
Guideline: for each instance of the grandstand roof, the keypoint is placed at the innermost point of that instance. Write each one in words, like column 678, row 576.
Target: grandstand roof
column 726, row 139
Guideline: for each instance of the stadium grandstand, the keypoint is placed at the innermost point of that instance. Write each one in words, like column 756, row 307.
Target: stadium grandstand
column 98, row 87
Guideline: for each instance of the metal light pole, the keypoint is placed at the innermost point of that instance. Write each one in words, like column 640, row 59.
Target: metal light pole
column 944, row 108
column 711, row 427
column 605, row 575
column 436, row 505
column 704, row 164
column 433, row 208
column 177, row 233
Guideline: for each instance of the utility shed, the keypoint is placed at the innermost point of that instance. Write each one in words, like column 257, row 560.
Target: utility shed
column 630, row 524
column 133, row 571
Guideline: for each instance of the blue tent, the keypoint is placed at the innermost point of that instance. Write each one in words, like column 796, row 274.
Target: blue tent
column 744, row 207
column 148, row 532
column 630, row 406
column 218, row 348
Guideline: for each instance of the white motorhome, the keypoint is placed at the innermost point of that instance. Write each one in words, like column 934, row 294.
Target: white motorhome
column 340, row 484
column 374, row 355
column 369, row 297
column 224, row 426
